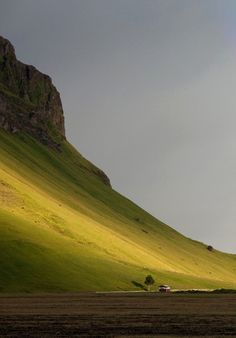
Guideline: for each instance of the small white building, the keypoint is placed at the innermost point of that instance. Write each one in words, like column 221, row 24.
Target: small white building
column 164, row 288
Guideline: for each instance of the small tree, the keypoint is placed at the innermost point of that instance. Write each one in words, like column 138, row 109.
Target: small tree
column 149, row 281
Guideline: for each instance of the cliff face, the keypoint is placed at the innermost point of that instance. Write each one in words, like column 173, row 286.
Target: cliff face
column 30, row 103
column 28, row 100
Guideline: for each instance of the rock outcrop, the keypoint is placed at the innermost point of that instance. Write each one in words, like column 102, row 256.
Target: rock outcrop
column 28, row 100
column 30, row 103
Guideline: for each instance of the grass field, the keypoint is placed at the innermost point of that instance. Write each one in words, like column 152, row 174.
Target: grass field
column 63, row 229
column 118, row 315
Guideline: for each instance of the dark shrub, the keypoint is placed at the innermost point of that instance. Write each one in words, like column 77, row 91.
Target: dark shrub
column 210, row 248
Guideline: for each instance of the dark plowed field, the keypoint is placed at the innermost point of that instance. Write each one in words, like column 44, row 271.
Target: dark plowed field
column 117, row 314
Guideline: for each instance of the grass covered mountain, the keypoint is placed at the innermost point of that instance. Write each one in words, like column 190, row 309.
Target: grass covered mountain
column 62, row 226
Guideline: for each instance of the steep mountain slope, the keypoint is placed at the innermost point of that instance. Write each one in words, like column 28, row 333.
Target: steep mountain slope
column 62, row 226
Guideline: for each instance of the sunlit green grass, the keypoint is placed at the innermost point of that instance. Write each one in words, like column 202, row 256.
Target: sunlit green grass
column 62, row 229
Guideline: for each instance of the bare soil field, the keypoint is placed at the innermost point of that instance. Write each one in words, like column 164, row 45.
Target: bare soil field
column 118, row 315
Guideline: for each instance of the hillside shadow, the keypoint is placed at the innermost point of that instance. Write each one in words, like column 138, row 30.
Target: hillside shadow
column 138, row 285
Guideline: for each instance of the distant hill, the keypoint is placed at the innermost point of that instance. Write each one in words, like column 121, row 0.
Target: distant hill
column 62, row 226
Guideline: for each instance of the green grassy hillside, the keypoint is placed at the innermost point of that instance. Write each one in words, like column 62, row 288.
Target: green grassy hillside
column 62, row 228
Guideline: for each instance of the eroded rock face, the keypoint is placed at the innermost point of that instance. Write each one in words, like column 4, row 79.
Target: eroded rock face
column 28, row 99
column 30, row 103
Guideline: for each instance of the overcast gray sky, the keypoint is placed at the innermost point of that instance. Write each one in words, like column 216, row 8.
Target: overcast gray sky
column 149, row 95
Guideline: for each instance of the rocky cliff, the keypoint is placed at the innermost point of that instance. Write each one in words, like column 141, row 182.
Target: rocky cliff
column 28, row 100
column 30, row 103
